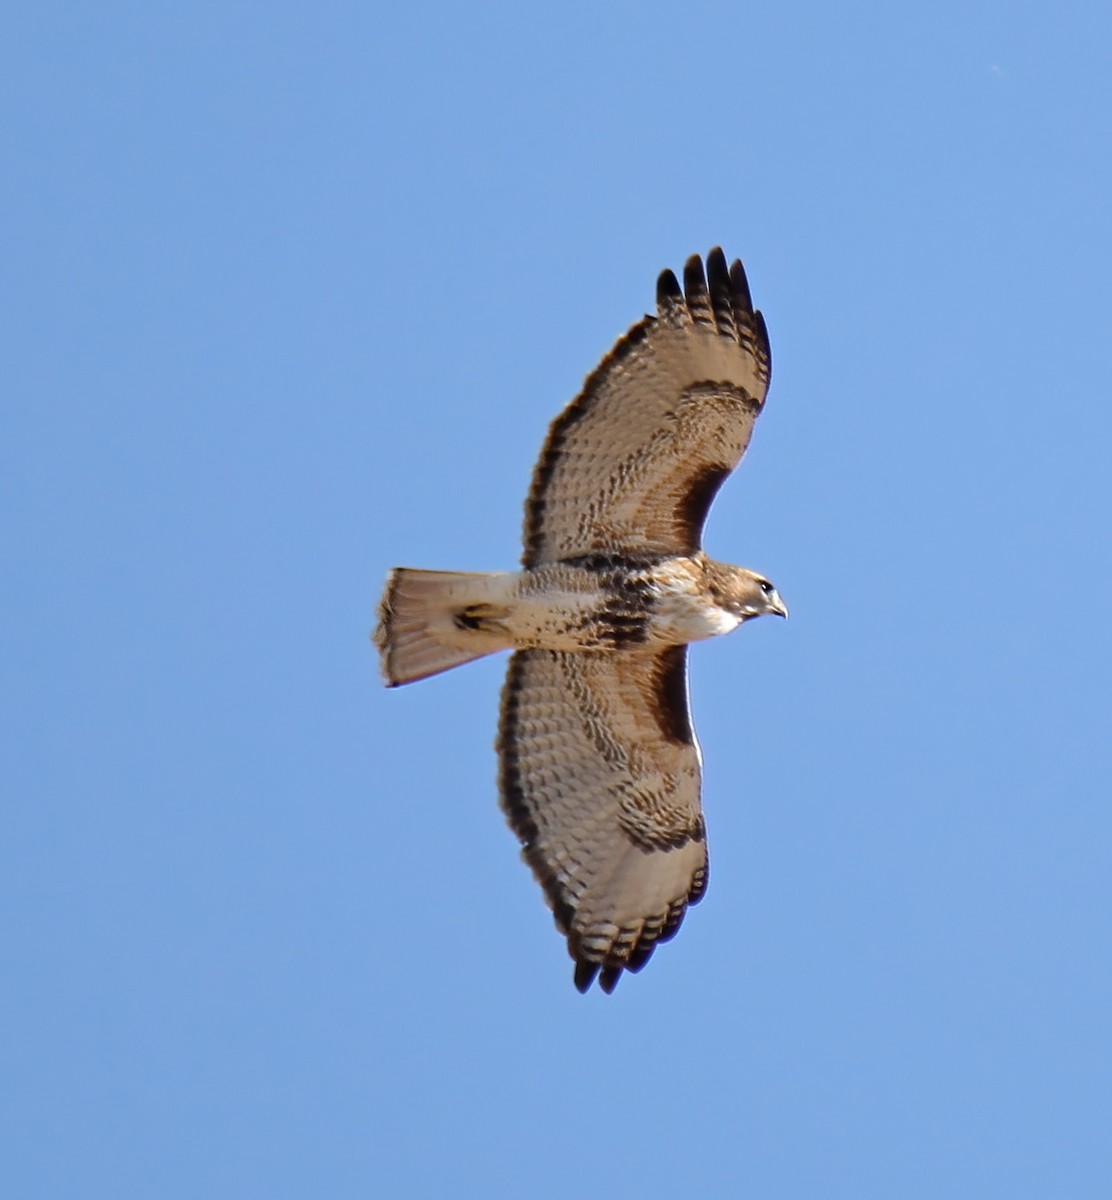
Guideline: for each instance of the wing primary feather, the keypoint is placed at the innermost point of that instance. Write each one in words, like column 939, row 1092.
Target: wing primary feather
column 762, row 337
column 695, row 289
column 673, row 923
column 739, row 286
column 608, row 979
column 585, row 973
column 669, row 294
column 698, row 886
column 642, row 952
column 721, row 292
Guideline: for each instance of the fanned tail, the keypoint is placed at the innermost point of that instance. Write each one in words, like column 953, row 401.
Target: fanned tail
column 425, row 622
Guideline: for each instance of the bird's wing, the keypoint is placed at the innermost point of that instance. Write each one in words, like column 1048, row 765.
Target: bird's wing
column 600, row 775
column 632, row 464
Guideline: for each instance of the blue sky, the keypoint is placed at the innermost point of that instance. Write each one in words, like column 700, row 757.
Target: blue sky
column 291, row 295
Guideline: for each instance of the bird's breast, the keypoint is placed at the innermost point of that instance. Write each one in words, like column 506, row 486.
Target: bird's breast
column 680, row 617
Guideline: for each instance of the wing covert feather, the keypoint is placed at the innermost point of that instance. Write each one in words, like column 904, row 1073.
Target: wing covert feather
column 633, row 463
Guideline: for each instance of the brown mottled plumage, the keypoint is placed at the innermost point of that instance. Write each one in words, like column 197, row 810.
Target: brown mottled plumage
column 599, row 765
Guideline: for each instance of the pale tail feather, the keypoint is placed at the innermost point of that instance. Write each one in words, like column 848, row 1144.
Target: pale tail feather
column 425, row 626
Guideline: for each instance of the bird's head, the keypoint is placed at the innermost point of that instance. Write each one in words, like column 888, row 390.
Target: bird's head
column 748, row 595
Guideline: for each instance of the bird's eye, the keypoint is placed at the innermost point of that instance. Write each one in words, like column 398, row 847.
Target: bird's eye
column 767, row 587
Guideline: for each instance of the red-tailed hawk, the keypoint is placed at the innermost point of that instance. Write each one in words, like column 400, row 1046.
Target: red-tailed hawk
column 599, row 765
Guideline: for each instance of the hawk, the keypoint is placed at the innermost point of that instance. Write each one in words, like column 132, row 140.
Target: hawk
column 599, row 767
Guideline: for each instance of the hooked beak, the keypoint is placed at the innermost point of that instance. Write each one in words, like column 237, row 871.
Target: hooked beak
column 778, row 606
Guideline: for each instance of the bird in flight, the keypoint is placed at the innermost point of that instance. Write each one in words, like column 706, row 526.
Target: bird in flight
column 599, row 767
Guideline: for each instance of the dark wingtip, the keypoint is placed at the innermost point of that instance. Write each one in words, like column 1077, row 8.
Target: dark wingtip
column 585, row 973
column 762, row 333
column 668, row 291
column 721, row 289
column 739, row 286
column 695, row 289
column 641, row 955
column 694, row 278
column 608, row 980
column 717, row 272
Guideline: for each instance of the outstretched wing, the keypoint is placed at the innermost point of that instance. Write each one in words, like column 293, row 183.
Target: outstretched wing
column 633, row 463
column 599, row 775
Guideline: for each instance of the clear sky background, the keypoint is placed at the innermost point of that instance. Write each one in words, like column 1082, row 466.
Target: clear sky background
column 291, row 293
